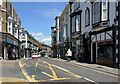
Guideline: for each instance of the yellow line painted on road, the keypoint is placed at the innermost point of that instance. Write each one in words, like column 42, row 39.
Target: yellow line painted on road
column 36, row 64
column 90, row 69
column 77, row 76
column 25, row 73
column 53, row 72
column 43, row 65
column 48, row 74
column 61, row 79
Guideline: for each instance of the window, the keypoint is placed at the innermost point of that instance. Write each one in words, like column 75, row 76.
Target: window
column 23, row 36
column 87, row 17
column 73, row 24
column 73, row 7
column 15, row 31
column 104, row 10
column 78, row 23
column 96, row 12
column 66, row 30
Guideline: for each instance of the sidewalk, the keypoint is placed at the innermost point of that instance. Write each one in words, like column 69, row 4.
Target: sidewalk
column 95, row 67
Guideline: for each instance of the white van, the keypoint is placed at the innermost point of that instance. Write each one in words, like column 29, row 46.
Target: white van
column 34, row 55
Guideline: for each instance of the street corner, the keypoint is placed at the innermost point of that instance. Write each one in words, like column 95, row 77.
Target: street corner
column 11, row 79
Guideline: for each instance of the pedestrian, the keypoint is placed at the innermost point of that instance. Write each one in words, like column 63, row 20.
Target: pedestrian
column 69, row 54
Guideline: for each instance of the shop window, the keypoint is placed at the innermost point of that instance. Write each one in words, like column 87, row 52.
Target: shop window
column 105, row 51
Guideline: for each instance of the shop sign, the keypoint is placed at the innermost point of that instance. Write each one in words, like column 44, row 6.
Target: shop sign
column 9, row 40
column 15, row 43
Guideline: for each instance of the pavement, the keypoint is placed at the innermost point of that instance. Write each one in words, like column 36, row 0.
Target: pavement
column 95, row 67
column 11, row 72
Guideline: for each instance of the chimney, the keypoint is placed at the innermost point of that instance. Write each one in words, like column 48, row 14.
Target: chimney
column 25, row 29
column 22, row 29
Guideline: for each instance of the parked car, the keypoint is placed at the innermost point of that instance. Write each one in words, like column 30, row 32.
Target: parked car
column 34, row 55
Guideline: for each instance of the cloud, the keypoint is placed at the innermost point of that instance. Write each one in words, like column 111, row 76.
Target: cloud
column 37, row 34
column 46, row 39
column 52, row 13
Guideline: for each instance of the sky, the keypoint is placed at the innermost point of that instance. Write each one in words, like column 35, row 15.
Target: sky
column 38, row 17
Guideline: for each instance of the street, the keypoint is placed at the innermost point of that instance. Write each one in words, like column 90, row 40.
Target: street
column 52, row 70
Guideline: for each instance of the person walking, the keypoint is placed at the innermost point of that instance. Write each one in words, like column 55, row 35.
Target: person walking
column 69, row 54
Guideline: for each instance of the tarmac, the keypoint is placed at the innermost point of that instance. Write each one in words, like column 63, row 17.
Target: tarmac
column 95, row 67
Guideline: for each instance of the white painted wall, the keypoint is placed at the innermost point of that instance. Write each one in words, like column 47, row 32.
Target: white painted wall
column 83, row 7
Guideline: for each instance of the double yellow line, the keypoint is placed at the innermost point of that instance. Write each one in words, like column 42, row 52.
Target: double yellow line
column 25, row 73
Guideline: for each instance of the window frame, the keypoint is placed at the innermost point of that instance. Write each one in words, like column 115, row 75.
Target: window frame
column 106, row 8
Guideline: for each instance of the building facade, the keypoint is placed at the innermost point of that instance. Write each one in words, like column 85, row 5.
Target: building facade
column 29, row 44
column 80, row 16
column 64, row 31
column 93, row 31
column 54, row 41
column 10, row 25
column 104, row 33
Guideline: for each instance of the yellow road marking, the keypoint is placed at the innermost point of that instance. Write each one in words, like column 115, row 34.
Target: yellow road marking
column 48, row 74
column 25, row 73
column 53, row 72
column 77, row 76
column 43, row 65
column 60, row 79
column 36, row 64
column 91, row 69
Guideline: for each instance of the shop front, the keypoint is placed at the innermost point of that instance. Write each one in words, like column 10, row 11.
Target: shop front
column 103, row 47
column 105, row 53
column 10, row 46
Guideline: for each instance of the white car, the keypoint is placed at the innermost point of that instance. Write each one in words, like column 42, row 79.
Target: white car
column 46, row 56
column 34, row 55
column 39, row 55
